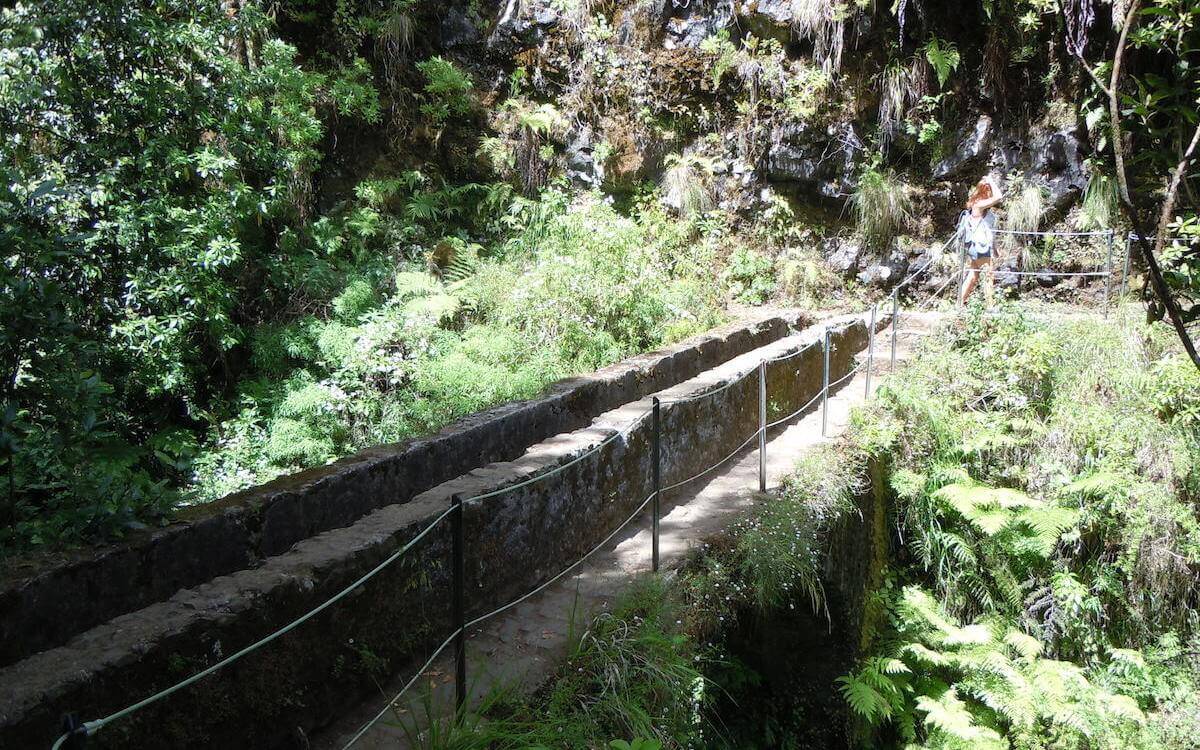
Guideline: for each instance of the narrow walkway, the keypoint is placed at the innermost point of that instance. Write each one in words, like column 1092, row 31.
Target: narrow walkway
column 524, row 645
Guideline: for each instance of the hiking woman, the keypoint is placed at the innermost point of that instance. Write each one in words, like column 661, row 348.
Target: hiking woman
column 977, row 228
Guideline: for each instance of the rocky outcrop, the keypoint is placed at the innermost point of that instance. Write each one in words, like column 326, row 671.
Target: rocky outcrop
column 581, row 167
column 843, row 254
column 456, row 29
column 522, row 24
column 767, row 19
column 972, row 146
column 820, row 161
column 693, row 21
column 1053, row 159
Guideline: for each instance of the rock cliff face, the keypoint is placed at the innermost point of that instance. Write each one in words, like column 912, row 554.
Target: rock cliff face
column 763, row 101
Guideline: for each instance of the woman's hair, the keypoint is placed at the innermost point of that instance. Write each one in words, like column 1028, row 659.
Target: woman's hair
column 981, row 191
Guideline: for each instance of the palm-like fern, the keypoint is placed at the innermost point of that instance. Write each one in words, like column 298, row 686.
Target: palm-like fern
column 949, row 685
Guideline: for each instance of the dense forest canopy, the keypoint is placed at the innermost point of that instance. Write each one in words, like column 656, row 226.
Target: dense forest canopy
column 243, row 237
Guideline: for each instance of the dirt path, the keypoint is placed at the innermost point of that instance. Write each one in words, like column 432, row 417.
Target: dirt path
column 525, row 644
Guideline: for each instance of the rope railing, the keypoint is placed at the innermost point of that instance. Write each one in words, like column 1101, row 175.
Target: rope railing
column 89, row 728
column 390, row 705
column 562, row 467
column 1025, row 233
column 715, row 466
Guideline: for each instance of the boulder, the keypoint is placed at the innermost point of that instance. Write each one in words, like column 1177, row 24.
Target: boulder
column 973, row 143
column 842, row 254
column 693, row 21
column 456, row 30
column 1058, row 165
column 818, row 160
column 886, row 273
column 877, row 275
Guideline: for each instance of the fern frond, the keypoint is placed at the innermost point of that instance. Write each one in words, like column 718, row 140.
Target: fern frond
column 1026, row 646
column 950, row 715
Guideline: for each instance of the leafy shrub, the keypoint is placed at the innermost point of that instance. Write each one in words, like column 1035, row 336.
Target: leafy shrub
column 447, row 90
column 750, row 276
column 598, row 289
column 1040, row 490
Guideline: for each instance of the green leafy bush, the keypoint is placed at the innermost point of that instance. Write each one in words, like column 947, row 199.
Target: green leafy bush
column 1040, row 485
column 750, row 276
column 448, row 90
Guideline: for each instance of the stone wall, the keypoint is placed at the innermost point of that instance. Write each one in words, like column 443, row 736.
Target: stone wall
column 309, row 676
column 44, row 602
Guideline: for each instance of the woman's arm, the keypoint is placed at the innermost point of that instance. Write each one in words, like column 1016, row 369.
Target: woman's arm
column 997, row 195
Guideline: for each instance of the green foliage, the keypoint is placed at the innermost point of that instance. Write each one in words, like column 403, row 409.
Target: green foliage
column 141, row 194
column 723, row 52
column 598, row 288
column 882, row 206
column 1035, row 535
column 629, row 674
column 751, row 276
column 1099, row 208
column 944, row 58
column 447, row 89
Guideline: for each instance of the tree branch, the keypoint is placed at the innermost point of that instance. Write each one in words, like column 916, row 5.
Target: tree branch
column 1164, row 218
column 1114, row 104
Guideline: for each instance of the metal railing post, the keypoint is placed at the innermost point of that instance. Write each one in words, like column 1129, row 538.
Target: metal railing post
column 762, row 426
column 895, row 323
column 825, row 388
column 962, row 273
column 870, row 350
column 458, row 570
column 1108, row 272
column 656, row 460
column 1125, row 270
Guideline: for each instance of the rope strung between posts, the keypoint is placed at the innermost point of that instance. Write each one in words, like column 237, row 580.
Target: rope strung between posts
column 934, row 257
column 391, row 703
column 90, row 727
column 713, row 392
column 367, row 727
column 718, row 464
column 1104, row 233
column 845, row 377
column 566, row 570
column 736, row 380
column 796, row 413
column 563, row 467
column 604, row 542
column 1057, row 274
column 938, row 292
column 796, row 353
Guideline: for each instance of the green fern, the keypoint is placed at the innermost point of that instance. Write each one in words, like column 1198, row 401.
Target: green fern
column 944, row 58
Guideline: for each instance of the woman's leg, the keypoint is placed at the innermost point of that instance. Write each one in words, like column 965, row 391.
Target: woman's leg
column 972, row 271
column 989, row 279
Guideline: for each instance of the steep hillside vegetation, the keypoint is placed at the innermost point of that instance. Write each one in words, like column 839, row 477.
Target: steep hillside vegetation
column 248, row 237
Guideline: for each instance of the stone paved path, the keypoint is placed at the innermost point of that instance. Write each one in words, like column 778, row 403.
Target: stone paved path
column 525, row 644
